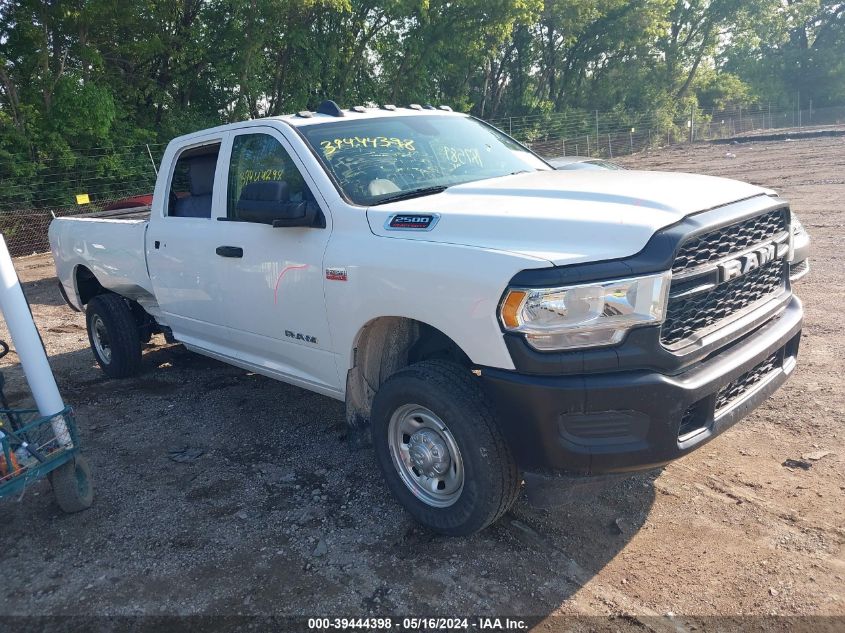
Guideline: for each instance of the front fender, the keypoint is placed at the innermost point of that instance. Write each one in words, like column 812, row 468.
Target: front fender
column 453, row 288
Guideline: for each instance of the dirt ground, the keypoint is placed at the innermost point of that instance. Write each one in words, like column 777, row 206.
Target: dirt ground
column 278, row 516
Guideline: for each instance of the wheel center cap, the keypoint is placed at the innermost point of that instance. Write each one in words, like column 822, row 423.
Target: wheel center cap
column 428, row 453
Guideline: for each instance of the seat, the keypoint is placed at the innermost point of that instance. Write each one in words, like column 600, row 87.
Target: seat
column 201, row 176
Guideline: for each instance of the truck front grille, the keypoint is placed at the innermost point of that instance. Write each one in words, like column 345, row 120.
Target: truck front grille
column 733, row 391
column 686, row 317
column 720, row 275
column 733, row 238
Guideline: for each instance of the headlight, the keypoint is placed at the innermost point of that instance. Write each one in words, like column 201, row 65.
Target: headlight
column 586, row 315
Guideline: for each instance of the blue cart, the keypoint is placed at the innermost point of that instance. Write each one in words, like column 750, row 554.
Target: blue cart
column 30, row 450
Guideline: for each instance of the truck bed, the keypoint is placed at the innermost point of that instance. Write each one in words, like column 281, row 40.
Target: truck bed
column 111, row 245
column 132, row 213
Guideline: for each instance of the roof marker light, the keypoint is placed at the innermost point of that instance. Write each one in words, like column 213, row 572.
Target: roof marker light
column 330, row 107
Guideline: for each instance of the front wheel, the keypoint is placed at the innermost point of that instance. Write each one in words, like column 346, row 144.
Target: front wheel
column 440, row 450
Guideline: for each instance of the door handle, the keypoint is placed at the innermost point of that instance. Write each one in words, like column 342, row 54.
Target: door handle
column 230, row 251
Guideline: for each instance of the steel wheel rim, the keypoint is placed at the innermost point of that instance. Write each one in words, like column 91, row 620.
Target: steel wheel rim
column 426, row 455
column 101, row 338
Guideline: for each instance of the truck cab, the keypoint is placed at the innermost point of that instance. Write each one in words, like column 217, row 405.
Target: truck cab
column 480, row 313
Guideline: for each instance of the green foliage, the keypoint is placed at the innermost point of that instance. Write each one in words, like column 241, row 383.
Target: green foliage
column 792, row 52
column 117, row 74
column 722, row 90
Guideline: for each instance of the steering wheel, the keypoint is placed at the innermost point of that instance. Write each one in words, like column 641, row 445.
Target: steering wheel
column 462, row 170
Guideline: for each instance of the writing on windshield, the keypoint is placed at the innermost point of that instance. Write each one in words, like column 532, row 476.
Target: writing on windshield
column 375, row 142
column 380, row 158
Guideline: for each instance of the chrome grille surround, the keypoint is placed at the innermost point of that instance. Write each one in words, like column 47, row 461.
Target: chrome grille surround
column 725, row 274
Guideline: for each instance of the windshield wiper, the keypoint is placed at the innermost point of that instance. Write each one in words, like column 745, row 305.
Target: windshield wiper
column 411, row 193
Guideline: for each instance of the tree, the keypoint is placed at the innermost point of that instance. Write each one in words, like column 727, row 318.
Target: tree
column 119, row 74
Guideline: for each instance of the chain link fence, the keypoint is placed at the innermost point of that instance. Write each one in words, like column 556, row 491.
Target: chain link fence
column 34, row 190
column 608, row 134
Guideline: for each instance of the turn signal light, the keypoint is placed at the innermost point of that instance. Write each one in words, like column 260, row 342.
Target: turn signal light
column 511, row 306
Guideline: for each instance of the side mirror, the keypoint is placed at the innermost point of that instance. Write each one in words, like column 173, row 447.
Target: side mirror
column 269, row 202
column 299, row 214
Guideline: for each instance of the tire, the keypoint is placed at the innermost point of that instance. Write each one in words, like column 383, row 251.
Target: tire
column 73, row 485
column 425, row 396
column 113, row 335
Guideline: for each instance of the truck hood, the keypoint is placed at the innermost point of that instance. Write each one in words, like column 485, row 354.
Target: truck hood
column 563, row 217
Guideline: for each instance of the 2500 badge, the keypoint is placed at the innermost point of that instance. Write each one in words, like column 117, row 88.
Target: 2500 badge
column 412, row 221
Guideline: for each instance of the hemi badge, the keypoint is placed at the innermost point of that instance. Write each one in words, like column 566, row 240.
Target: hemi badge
column 336, row 274
column 412, row 221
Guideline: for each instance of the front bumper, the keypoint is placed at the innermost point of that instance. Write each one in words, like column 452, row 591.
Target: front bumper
column 620, row 421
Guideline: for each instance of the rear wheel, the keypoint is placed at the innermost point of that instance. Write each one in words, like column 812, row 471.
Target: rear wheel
column 440, row 449
column 113, row 334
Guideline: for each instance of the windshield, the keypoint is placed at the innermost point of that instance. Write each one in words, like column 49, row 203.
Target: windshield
column 390, row 158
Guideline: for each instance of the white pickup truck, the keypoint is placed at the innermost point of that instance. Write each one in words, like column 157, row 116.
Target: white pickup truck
column 481, row 314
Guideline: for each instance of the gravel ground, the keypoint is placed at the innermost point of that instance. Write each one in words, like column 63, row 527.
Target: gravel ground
column 278, row 516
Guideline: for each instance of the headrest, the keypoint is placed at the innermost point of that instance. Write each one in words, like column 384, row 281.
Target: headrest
column 266, row 191
column 201, row 172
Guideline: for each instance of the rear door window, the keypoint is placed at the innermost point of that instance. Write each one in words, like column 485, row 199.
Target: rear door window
column 192, row 184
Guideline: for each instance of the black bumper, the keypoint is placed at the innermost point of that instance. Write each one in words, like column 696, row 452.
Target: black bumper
column 630, row 420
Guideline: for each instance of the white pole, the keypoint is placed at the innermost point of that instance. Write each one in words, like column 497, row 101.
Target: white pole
column 28, row 346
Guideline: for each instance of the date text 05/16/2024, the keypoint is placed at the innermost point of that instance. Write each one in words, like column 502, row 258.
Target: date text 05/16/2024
column 418, row 624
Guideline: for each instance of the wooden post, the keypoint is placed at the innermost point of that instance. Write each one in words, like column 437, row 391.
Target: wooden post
column 691, row 124
column 597, row 130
